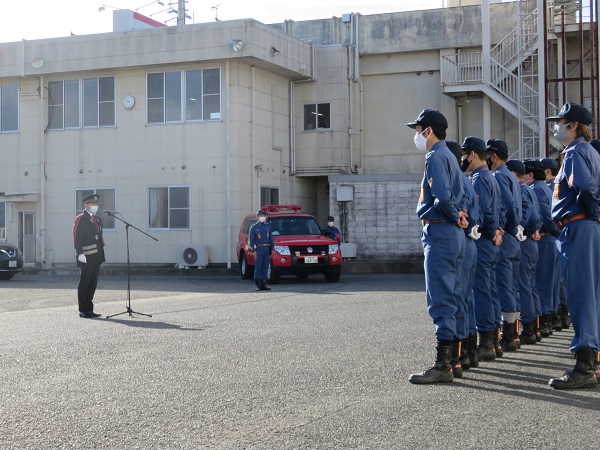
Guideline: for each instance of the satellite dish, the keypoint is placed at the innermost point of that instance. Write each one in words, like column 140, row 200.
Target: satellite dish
column 37, row 63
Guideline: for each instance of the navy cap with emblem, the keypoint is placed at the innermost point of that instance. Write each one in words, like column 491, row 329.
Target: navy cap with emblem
column 430, row 118
column 498, row 147
column 549, row 163
column 514, row 165
column 455, row 149
column 474, row 143
column 573, row 111
column 533, row 165
column 261, row 212
column 330, row 219
column 92, row 198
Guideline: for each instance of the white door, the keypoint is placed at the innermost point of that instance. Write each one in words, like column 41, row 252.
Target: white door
column 27, row 235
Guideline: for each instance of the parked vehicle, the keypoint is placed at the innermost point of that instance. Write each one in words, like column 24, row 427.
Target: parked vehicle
column 300, row 248
column 11, row 261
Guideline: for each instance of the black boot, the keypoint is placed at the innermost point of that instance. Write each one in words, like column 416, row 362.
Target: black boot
column 517, row 338
column 486, row 351
column 538, row 333
column 556, row 321
column 441, row 372
column 545, row 325
column 258, row 284
column 582, row 375
column 472, row 350
column 527, row 336
column 264, row 286
column 496, row 343
column 507, row 342
column 465, row 362
column 455, row 359
column 563, row 312
column 597, row 365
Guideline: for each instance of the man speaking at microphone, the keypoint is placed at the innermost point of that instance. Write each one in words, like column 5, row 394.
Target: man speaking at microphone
column 89, row 248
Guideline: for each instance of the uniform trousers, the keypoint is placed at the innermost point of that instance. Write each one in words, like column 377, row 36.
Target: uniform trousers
column 444, row 249
column 487, row 305
column 579, row 248
column 261, row 265
column 88, row 281
column 547, row 281
column 506, row 276
column 465, row 323
column 529, row 257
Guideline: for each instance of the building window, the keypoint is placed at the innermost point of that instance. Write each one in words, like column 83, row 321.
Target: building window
column 9, row 108
column 269, row 196
column 169, row 207
column 64, row 105
column 184, row 96
column 107, row 201
column 317, row 117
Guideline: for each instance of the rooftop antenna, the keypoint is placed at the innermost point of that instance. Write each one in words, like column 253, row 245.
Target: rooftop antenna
column 216, row 10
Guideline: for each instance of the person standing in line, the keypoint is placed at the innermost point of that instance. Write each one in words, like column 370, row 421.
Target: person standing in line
column 443, row 238
column 331, row 231
column 507, row 270
column 488, row 245
column 547, row 272
column 576, row 210
column 531, row 223
column 261, row 243
column 89, row 250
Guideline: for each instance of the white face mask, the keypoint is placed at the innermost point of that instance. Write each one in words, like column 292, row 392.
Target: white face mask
column 330, row 224
column 421, row 142
column 560, row 131
column 94, row 209
column 262, row 219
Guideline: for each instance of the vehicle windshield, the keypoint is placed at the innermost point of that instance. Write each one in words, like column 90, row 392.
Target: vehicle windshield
column 285, row 226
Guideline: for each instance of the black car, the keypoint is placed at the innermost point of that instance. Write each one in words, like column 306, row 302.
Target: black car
column 11, row 261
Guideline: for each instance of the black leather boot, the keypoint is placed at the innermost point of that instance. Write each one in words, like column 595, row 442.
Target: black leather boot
column 258, row 284
column 527, row 336
column 517, row 338
column 441, row 372
column 546, row 325
column 472, row 350
column 508, row 337
column 597, row 365
column 538, row 333
column 582, row 375
column 556, row 321
column 465, row 362
column 455, row 359
column 486, row 351
column 496, row 342
column 264, row 286
column 563, row 312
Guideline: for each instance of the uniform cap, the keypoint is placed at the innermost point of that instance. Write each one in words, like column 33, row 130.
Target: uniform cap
column 330, row 219
column 430, row 118
column 498, row 147
column 573, row 111
column 533, row 165
column 514, row 165
column 550, row 163
column 474, row 143
column 455, row 149
column 92, row 198
column 261, row 211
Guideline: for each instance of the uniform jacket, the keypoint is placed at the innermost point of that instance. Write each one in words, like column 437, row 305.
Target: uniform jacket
column 260, row 233
column 332, row 233
column 544, row 197
column 488, row 196
column 510, row 193
column 87, row 238
column 531, row 220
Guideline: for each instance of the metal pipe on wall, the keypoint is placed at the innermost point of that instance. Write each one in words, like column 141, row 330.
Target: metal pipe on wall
column 227, row 166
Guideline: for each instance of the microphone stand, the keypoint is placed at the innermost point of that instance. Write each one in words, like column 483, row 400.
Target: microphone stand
column 128, row 309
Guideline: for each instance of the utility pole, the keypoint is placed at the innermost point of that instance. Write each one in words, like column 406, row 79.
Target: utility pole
column 181, row 12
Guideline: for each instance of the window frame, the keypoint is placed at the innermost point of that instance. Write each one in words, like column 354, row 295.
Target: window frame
column 108, row 223
column 315, row 111
column 16, row 116
column 170, row 209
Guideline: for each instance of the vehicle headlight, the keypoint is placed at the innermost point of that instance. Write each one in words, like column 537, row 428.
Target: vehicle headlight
column 333, row 249
column 282, row 249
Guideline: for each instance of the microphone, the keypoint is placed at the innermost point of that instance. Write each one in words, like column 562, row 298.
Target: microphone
column 109, row 212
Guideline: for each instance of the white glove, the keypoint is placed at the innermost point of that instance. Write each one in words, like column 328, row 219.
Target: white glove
column 474, row 233
column 520, row 236
column 81, row 258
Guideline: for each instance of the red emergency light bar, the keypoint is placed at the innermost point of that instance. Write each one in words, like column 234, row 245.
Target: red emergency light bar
column 278, row 208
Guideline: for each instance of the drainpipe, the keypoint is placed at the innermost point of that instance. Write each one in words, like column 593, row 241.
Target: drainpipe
column 227, row 167
column 355, row 75
column 356, row 51
column 42, row 173
column 459, row 117
column 542, row 85
column 255, row 195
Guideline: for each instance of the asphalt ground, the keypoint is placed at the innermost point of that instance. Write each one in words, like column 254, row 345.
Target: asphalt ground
column 307, row 365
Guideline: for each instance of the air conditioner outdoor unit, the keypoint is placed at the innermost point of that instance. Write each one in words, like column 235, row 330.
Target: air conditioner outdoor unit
column 195, row 256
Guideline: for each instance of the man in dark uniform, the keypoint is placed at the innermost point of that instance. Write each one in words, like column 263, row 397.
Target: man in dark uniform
column 486, row 187
column 331, row 231
column 89, row 248
column 443, row 238
column 261, row 243
column 576, row 210
column 507, row 270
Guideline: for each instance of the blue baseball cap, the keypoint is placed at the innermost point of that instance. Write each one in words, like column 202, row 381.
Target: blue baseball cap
column 430, row 118
column 474, row 143
column 514, row 165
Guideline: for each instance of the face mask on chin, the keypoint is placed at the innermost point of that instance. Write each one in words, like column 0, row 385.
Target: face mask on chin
column 561, row 132
column 420, row 141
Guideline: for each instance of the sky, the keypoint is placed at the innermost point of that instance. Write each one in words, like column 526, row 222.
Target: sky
column 41, row 19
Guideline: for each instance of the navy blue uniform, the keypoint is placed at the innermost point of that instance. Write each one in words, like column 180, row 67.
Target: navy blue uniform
column 332, row 233
column 88, row 241
column 443, row 241
column 576, row 205
column 484, row 286
column 507, row 270
column 261, row 242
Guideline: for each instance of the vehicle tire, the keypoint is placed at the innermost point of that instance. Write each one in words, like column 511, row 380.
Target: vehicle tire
column 273, row 276
column 6, row 276
column 333, row 276
column 302, row 276
column 246, row 270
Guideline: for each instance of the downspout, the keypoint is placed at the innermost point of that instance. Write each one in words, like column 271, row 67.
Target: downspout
column 42, row 173
column 460, row 117
column 293, row 109
column 541, row 63
column 227, row 167
column 355, row 75
column 254, row 193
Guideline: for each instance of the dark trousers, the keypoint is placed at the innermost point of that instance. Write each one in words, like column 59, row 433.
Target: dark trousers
column 88, row 281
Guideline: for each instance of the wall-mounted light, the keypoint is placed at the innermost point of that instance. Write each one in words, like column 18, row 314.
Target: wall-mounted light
column 274, row 51
column 37, row 62
column 236, row 44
